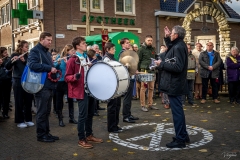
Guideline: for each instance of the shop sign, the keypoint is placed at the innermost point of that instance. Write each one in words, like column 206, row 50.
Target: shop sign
column 110, row 20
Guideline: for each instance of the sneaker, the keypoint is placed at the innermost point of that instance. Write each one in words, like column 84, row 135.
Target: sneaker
column 216, row 101
column 153, row 108
column 22, row 125
column 144, row 109
column 29, row 124
column 203, row 101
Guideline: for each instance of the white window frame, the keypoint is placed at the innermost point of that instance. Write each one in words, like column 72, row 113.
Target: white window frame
column 200, row 17
column 101, row 10
column 133, row 13
column 212, row 19
column 3, row 17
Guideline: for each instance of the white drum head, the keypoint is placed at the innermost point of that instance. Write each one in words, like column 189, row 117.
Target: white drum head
column 101, row 81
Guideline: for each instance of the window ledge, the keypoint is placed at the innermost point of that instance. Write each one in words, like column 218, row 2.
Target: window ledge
column 92, row 11
column 5, row 24
column 125, row 13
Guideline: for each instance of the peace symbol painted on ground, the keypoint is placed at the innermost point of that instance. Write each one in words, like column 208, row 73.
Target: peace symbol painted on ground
column 157, row 136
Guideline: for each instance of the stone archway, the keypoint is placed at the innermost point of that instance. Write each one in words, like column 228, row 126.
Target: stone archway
column 224, row 30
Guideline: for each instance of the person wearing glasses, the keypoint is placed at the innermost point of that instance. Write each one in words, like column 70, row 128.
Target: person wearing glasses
column 173, row 82
column 210, row 62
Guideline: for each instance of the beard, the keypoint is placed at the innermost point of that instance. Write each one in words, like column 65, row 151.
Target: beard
column 149, row 45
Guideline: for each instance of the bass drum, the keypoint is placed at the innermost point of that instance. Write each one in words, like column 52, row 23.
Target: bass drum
column 107, row 80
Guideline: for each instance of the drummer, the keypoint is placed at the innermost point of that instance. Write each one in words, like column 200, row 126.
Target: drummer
column 127, row 100
column 114, row 105
column 75, row 77
column 145, row 53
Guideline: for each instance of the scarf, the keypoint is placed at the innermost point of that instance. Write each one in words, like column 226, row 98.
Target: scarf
column 111, row 56
column 234, row 59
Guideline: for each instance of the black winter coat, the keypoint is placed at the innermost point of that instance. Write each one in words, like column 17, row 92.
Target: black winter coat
column 174, row 68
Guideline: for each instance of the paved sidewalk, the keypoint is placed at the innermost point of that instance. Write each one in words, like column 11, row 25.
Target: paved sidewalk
column 214, row 132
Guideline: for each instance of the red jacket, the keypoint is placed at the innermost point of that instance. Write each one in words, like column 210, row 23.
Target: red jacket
column 75, row 87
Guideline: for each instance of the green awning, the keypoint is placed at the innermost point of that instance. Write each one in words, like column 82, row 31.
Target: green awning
column 98, row 37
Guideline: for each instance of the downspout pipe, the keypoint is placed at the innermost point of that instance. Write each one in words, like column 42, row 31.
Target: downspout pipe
column 54, row 21
column 157, row 35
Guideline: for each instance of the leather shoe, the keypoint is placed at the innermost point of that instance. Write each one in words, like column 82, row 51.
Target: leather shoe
column 100, row 108
column 128, row 120
column 53, row 137
column 5, row 116
column 73, row 121
column 96, row 114
column 187, row 140
column 91, row 138
column 133, row 118
column 176, row 144
column 83, row 143
column 45, row 139
column 61, row 124
column 119, row 129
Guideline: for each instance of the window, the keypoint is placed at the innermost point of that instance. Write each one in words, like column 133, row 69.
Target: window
column 198, row 5
column 95, row 5
column 209, row 18
column 7, row 12
column 3, row 20
column 125, row 7
column 16, row 4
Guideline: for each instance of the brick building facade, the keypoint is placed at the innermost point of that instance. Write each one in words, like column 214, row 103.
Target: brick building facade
column 65, row 19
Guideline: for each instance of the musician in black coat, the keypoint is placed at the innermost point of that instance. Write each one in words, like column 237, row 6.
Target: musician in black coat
column 5, row 82
column 23, row 100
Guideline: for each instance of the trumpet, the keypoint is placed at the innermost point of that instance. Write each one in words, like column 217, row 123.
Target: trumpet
column 13, row 60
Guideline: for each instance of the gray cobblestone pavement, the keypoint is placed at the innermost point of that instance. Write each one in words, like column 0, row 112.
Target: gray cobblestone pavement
column 217, row 123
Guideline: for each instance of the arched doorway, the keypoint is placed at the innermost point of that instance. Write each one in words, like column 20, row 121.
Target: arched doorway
column 224, row 30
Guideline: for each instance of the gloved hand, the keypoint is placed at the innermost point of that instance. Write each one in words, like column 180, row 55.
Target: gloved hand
column 77, row 76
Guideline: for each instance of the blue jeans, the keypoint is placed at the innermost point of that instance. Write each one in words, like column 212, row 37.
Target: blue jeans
column 85, row 117
column 178, row 117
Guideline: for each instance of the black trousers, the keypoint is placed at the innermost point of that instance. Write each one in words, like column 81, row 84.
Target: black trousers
column 43, row 102
column 23, row 102
column 127, row 101
column 60, row 91
column 85, row 116
column 205, row 87
column 5, row 93
column 113, row 108
column 234, row 91
column 54, row 97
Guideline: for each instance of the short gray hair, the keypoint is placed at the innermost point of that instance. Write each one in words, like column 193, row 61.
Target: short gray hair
column 180, row 31
column 95, row 45
column 89, row 47
column 234, row 48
